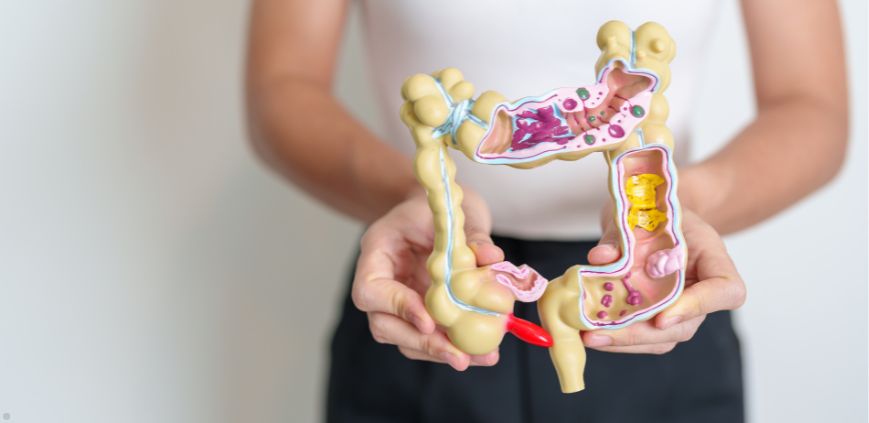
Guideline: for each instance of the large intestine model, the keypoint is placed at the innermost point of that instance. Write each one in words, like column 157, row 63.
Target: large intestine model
column 622, row 114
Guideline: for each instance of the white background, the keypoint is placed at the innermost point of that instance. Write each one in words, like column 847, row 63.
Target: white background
column 151, row 270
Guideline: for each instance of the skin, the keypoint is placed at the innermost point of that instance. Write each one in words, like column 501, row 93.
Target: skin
column 295, row 120
column 748, row 187
column 391, row 278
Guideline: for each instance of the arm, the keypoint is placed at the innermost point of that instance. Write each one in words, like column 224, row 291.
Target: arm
column 300, row 129
column 795, row 145
column 298, row 126
column 797, row 142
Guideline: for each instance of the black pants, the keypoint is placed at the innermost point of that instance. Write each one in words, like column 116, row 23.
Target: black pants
column 699, row 381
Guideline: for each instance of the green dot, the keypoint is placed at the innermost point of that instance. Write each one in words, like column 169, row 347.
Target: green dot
column 637, row 111
column 592, row 118
column 589, row 139
column 602, row 113
column 583, row 93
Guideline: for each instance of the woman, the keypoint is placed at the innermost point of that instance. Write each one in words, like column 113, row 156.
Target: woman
column 668, row 369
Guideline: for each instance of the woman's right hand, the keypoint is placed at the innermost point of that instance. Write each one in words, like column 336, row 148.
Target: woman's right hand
column 391, row 278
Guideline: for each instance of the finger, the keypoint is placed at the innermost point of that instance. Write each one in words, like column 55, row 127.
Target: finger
column 418, row 355
column 607, row 249
column 478, row 226
column 702, row 298
column 719, row 285
column 484, row 249
column 374, row 290
column 388, row 329
column 656, row 349
column 485, row 360
column 642, row 334
column 604, row 254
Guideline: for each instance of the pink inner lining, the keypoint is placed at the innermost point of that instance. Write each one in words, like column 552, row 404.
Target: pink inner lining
column 526, row 284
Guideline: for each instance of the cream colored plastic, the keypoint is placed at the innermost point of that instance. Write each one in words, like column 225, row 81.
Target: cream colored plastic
column 474, row 304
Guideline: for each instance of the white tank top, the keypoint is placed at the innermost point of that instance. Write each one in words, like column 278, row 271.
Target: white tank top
column 522, row 48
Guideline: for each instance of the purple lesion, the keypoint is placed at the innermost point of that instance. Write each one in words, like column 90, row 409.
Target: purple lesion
column 634, row 297
column 535, row 126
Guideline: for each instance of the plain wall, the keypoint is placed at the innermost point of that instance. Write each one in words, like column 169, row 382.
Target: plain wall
column 151, row 269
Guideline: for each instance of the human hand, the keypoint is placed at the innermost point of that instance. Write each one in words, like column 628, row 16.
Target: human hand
column 391, row 278
column 711, row 284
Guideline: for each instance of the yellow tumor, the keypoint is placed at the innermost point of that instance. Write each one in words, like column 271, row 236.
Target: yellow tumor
column 641, row 192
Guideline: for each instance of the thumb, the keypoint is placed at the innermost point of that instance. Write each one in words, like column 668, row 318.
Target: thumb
column 607, row 249
column 478, row 229
column 484, row 248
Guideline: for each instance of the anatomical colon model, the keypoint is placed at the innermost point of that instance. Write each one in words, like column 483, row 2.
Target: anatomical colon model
column 622, row 115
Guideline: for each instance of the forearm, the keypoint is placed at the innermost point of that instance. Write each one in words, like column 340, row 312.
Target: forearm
column 791, row 149
column 798, row 140
column 304, row 133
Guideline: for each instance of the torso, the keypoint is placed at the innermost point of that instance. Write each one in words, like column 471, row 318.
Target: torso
column 520, row 49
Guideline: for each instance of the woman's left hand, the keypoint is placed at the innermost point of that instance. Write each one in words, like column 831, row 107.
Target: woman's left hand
column 711, row 284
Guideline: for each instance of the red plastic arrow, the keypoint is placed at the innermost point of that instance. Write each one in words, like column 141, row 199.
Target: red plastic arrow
column 528, row 332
